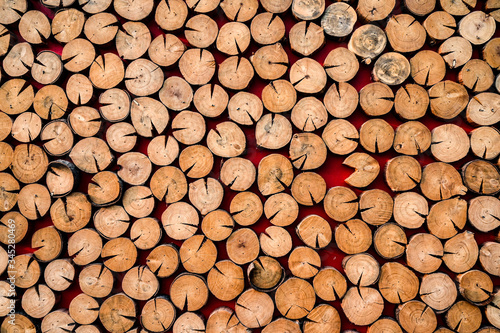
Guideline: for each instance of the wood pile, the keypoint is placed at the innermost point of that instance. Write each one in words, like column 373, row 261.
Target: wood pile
column 237, row 166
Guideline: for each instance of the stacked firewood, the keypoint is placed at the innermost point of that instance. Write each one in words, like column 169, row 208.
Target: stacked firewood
column 157, row 158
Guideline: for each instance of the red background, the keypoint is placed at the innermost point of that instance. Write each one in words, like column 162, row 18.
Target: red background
column 332, row 171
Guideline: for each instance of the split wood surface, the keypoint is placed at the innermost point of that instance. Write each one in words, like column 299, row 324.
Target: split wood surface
column 219, row 166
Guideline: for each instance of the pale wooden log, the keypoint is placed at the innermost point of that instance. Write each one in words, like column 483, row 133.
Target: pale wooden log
column 273, row 131
column 138, row 201
column 242, row 246
column 306, row 38
column 162, row 150
column 67, row 25
column 83, row 309
column 438, row 291
column 274, row 174
column 281, row 209
column 84, row 246
column 30, row 269
column 11, row 13
column 340, row 136
column 362, row 305
column 245, row 108
column 38, row 301
column 338, row 19
column 133, row 11
column 9, row 192
column 171, row 179
column 275, row 241
column 341, row 203
column 101, row 28
column 361, row 269
column 492, row 310
column 447, row 217
column 15, row 219
column 58, row 138
column 158, row 314
column 196, row 161
column 59, row 274
column 391, row 68
column 5, row 125
column 111, row 222
column 176, row 93
column 180, row 220
column 488, row 256
column 96, row 6
column 366, row 169
column 197, row 66
column 449, row 143
column 238, row 174
column 198, row 254
column 416, row 316
column 189, row 322
column 140, row 283
column 376, row 99
column 412, row 138
column 397, row 283
column 17, row 96
column 341, row 100
column 353, row 237
column 201, row 31
column 146, row 233
column 440, row 25
column 34, row 201
column 308, row 188
column 456, row 51
column 78, row 55
column 217, row 225
column 424, row 253
column 115, row 104
column 485, row 142
column 307, row 76
column 188, row 127
column 314, row 231
column 227, row 140
column 477, row 27
column 304, row 262
column 341, row 65
column 307, row 151
column 119, row 254
column 203, row 6
column 226, row 280
column 464, row 317
column 26, row 127
column 482, row 109
column 211, row 101
column 314, row 324
column 293, row 304
column 71, row 213
column 376, row 206
column 329, row 284
column 254, row 309
column 476, row 75
column 461, row 252
column 307, row 11
column 19, row 60
column 475, row 286
column 240, row 11
column 117, row 313
column 368, row 41
column 234, row 38
column 376, row 136
column 267, row 28
column 172, row 15
column 246, row 208
column 163, row 260
column 434, row 178
column 165, row 50
column 106, row 71
column 389, row 241
column 96, row 280
column 385, row 324
column 279, row 96
column 270, row 61
column 481, row 177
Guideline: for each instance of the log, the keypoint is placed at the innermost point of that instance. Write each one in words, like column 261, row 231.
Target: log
column 307, row 11
column 461, row 243
column 9, row 191
column 314, row 231
column 427, row 68
column 405, row 34
column 227, row 140
column 281, row 209
column 163, row 260
column 391, row 68
column 307, row 76
column 267, row 28
column 246, row 208
column 239, row 11
column 206, row 195
column 163, row 150
column 308, row 188
column 226, row 280
column 20, row 224
column 115, row 104
column 438, row 291
column 492, row 311
column 341, row 65
column 416, row 316
column 341, row 203
column 447, row 217
column 119, row 254
column 341, row 101
column 189, row 292
column 275, row 241
column 238, row 174
column 338, row 19
column 397, row 283
column 17, row 97
column 475, row 286
column 273, row 131
column 142, row 77
column 38, row 301
column 233, row 38
column 481, row 177
column 389, row 241
column 366, row 169
column 223, row 318
column 168, row 183
column 282, row 324
column 189, row 322
column 197, row 66
column 376, row 136
column 34, row 201
column 402, row 173
column 245, row 108
column 188, row 127
column 353, row 237
column 456, row 51
column 211, row 101
column 340, row 136
column 304, row 262
column 368, row 41
column 449, row 143
column 84, row 246
column 101, row 28
column 140, row 283
column 217, row 225
column 488, row 255
column 30, row 269
column 307, row 151
column 482, row 109
column 243, row 246
column 329, row 284
column 71, row 213
column 385, row 324
column 117, row 313
column 196, row 161
column 361, row 269
column 295, row 305
column 158, row 314
column 376, row 206
column 274, row 174
column 477, row 27
column 485, row 142
column 424, row 253
column 198, row 254
column 440, row 25
column 58, row 139
column 464, row 317
column 84, row 309
column 265, row 274
column 376, row 99
column 19, row 60
column 26, row 127
column 171, row 15
column 330, row 323
column 435, row 175
column 412, row 138
column 362, row 305
column 78, row 55
column 306, row 38
column 254, row 309
column 180, row 220
column 11, row 13
column 476, row 75
column 138, row 201
column 279, row 96
column 112, row 221
column 96, row 280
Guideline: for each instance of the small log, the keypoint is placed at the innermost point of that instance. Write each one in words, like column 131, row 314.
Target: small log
column 30, row 269
column 449, row 143
column 282, row 325
column 115, row 105
column 340, row 136
column 140, row 283
column 307, row 151
column 438, row 291
column 20, row 323
column 121, row 137
column 198, row 254
column 376, row 99
column 47, row 67
column 461, row 243
column 306, row 38
column 206, row 195
column 265, row 274
column 211, row 101
column 17, row 96
column 118, row 312
column 189, row 321
column 329, row 284
column 29, row 163
column 281, row 209
column 270, row 62
column 477, row 27
column 308, row 188
column 163, row 260
column 368, row 41
column 171, row 15
column 307, row 76
column 19, row 60
column 105, row 189
column 233, row 38
column 275, row 241
column 158, row 314
column 427, row 68
column 279, row 96
column 119, row 254
column 475, row 286
column 196, row 161
column 416, row 316
column 362, row 305
column 434, row 178
column 5, row 125
column 111, row 222
column 488, row 256
column 492, row 311
column 361, row 269
column 34, row 201
column 353, row 237
column 276, row 6
column 146, row 233
column 254, row 309
column 9, row 192
column 101, row 28
column 58, row 139
column 138, row 201
column 94, row 7
column 267, row 28
column 464, row 317
column 490, row 55
column 142, row 77
column 188, row 127
column 226, row 280
column 217, row 225
column 180, row 220
column 246, row 208
column 314, row 323
column 273, row 131
column 341, row 203
column 84, row 246
column 314, row 231
column 84, row 309
column 245, row 108
column 71, row 213
column 398, row 284
column 440, row 25
column 85, row 121
column 391, row 68
column 341, row 100
column 366, row 169
column 456, row 51
column 203, row 6
column 238, row 174
column 166, row 50
column 412, row 138
column 67, row 25
column 341, row 65
column 201, row 31
column 133, row 11
column 376, row 136
column 389, row 241
column 485, row 142
column 168, row 183
column 59, row 274
column 106, row 71
column 274, row 174
column 376, row 206
column 304, row 262
column 26, row 127
column 447, row 217
column 476, row 75
column 38, row 301
column 96, row 280
column 295, row 305
column 163, row 150
column 58, row 320
column 133, row 41
column 243, row 246
column 189, row 292
column 338, row 19
column 240, row 11
column 307, row 11
column 197, row 66
column 226, row 140
column 135, row 168
column 424, row 253
column 482, row 109
column 20, row 230
column 481, row 177
column 78, row 55
column 420, row 8
column 11, row 13
column 385, row 324
column 405, row 34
